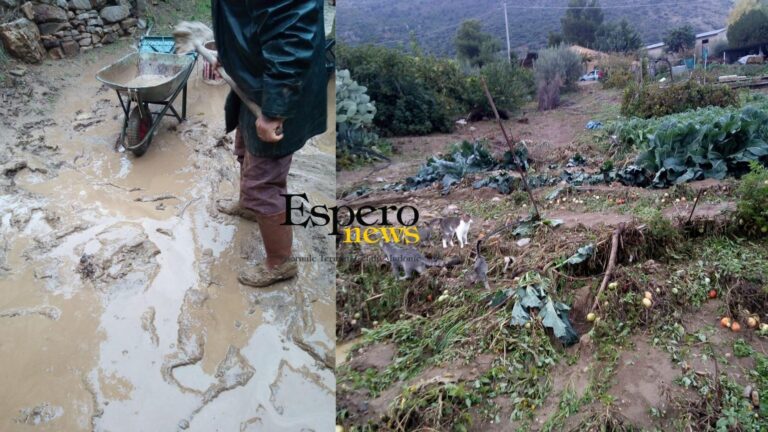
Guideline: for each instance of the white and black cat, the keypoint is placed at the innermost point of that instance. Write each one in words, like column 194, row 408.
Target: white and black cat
column 455, row 225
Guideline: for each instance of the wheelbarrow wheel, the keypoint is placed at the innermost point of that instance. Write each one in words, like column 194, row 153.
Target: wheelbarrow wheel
column 138, row 128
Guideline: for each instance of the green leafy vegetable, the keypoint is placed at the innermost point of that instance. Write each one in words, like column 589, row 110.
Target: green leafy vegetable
column 531, row 294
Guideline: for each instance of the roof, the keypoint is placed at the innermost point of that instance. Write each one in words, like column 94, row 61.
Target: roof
column 587, row 52
column 656, row 45
column 711, row 33
column 698, row 36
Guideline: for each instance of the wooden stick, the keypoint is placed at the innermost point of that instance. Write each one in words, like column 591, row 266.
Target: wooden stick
column 211, row 58
column 611, row 264
column 519, row 163
column 695, row 203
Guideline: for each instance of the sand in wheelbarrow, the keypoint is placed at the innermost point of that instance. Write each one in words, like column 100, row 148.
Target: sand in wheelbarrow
column 147, row 81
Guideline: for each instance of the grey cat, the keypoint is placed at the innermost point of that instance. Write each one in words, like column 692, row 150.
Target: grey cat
column 410, row 260
column 454, row 225
column 429, row 231
column 480, row 269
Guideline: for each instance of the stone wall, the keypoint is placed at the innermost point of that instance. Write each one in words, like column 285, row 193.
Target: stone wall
column 67, row 27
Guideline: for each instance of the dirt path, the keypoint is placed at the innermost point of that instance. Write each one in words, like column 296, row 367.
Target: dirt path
column 120, row 307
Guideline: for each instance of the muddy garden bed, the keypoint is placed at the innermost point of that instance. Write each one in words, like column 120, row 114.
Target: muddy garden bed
column 440, row 352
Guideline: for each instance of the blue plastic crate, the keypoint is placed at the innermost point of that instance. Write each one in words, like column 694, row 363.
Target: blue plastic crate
column 161, row 44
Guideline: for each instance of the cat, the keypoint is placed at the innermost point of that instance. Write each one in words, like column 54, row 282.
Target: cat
column 411, row 260
column 428, row 231
column 480, row 269
column 454, row 225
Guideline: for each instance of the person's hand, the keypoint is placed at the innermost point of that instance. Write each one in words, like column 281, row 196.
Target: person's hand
column 269, row 129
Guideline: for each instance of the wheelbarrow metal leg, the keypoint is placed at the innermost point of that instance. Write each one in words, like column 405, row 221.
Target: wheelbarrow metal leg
column 184, row 103
column 175, row 113
column 126, row 109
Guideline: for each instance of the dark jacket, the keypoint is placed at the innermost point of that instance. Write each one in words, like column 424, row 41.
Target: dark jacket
column 275, row 51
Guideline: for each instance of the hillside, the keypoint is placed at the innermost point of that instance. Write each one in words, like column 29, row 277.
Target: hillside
column 390, row 23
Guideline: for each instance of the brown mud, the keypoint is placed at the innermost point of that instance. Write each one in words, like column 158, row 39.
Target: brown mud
column 120, row 305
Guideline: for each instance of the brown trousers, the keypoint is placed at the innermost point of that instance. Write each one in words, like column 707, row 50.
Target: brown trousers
column 262, row 180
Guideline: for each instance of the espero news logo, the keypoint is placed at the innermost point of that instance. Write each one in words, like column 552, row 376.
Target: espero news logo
column 367, row 224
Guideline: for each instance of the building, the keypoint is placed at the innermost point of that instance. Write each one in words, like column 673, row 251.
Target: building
column 656, row 50
column 709, row 39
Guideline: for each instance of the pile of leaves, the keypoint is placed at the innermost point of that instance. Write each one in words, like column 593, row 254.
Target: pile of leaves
column 533, row 302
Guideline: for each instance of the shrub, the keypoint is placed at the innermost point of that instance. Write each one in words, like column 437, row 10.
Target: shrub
column 655, row 101
column 750, row 70
column 618, row 37
column 510, row 86
column 474, row 46
column 753, row 198
column 556, row 68
column 406, row 103
column 559, row 61
column 420, row 95
column 618, row 71
column 717, row 50
column 446, row 79
column 548, row 93
column 750, row 29
column 659, row 227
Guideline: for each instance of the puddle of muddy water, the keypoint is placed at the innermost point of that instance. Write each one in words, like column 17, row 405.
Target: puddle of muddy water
column 343, row 349
column 120, row 308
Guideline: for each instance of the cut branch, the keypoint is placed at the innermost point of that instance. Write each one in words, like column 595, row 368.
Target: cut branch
column 611, row 264
column 518, row 162
column 695, row 203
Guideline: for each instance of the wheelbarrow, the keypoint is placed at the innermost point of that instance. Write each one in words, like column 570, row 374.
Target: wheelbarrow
column 143, row 80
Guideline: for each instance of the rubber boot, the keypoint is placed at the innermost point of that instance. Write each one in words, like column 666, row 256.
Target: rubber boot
column 278, row 266
column 233, row 208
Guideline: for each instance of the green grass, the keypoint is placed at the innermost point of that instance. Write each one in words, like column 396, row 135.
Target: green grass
column 168, row 13
column 455, row 335
column 494, row 210
column 521, row 373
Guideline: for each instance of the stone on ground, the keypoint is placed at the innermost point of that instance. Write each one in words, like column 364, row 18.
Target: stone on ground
column 21, row 39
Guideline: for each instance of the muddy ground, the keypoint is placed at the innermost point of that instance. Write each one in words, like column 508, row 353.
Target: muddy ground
column 120, row 308
column 623, row 375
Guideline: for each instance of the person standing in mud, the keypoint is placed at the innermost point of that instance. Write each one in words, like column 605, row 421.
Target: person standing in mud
column 275, row 52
